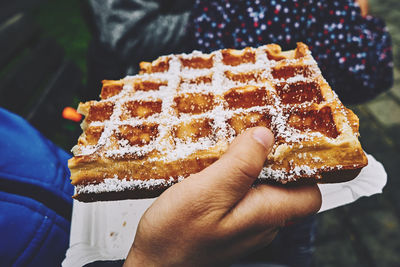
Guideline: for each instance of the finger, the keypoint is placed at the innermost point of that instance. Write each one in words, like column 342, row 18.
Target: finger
column 233, row 174
column 272, row 205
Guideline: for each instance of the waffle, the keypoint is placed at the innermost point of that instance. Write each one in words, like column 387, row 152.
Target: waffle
column 179, row 114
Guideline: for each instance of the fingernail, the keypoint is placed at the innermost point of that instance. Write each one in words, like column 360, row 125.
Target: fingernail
column 263, row 136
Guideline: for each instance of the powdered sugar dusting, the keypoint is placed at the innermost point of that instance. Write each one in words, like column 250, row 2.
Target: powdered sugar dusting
column 118, row 185
column 177, row 81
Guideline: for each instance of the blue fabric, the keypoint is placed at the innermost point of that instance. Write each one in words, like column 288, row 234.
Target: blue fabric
column 31, row 233
column 35, row 196
column 26, row 156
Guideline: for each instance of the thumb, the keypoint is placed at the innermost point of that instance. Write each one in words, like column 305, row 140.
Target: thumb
column 234, row 173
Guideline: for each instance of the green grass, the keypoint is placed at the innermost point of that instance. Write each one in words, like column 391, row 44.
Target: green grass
column 63, row 21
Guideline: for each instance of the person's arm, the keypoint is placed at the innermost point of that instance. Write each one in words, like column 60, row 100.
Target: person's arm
column 217, row 216
column 363, row 6
column 353, row 52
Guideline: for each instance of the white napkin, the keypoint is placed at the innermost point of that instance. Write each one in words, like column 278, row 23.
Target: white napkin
column 105, row 230
column 370, row 181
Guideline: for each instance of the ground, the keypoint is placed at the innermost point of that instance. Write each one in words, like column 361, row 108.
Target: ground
column 365, row 233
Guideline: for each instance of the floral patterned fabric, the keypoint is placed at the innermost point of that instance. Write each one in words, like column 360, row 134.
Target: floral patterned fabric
column 353, row 52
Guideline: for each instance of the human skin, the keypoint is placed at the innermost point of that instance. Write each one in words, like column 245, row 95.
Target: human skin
column 217, row 216
column 363, row 6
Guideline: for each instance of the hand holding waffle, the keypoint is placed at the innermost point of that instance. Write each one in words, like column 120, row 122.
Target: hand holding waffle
column 217, row 214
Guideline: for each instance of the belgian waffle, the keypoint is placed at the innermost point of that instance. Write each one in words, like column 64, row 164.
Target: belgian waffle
column 180, row 113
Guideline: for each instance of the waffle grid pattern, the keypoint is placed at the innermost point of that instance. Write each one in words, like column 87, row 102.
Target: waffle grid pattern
column 182, row 104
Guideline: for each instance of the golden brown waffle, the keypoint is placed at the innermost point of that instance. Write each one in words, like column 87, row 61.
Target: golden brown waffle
column 180, row 113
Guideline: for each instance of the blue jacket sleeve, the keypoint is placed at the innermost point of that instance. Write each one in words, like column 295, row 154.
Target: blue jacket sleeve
column 35, row 196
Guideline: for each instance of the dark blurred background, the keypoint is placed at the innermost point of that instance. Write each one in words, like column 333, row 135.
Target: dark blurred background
column 43, row 69
column 43, row 48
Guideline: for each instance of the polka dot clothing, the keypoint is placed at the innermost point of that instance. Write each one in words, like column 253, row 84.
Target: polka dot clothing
column 353, row 52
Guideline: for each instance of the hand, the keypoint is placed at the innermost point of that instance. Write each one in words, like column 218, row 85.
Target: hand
column 215, row 217
column 363, row 6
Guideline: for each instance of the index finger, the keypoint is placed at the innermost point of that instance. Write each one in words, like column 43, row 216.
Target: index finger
column 267, row 205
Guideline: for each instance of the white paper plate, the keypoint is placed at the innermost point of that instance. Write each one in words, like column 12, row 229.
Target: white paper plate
column 105, row 230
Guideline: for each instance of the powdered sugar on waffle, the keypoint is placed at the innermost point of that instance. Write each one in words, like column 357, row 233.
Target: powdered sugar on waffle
column 170, row 148
column 118, row 185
